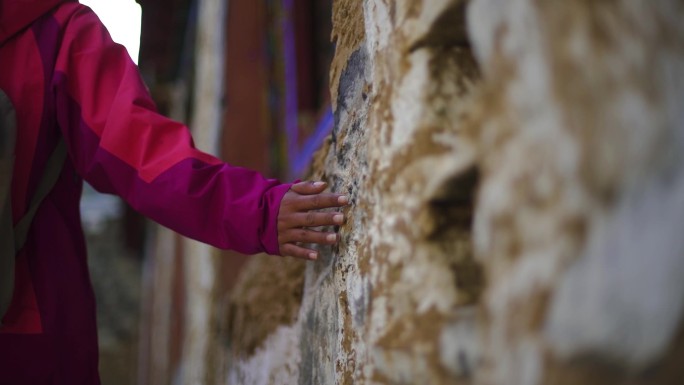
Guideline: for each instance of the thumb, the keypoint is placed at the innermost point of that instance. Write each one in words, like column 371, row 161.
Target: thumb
column 309, row 187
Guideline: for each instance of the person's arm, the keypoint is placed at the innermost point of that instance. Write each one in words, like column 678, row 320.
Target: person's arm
column 121, row 145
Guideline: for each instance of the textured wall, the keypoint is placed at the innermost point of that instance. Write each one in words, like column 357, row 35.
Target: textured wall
column 515, row 169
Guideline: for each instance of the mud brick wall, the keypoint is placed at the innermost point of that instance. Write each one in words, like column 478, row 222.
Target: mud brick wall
column 517, row 184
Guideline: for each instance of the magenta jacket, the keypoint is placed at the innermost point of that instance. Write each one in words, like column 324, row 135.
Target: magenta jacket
column 66, row 78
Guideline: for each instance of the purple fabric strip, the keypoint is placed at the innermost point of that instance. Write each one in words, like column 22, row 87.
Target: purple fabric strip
column 302, row 159
column 298, row 157
column 290, row 67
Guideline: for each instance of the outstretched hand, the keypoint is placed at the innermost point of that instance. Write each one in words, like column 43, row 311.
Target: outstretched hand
column 297, row 216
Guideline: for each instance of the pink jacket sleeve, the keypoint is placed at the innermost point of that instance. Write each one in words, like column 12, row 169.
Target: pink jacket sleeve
column 121, row 145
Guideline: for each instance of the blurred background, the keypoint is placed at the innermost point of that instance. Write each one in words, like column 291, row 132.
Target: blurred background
column 270, row 112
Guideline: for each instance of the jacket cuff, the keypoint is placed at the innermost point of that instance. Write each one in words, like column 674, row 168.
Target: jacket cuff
column 269, row 234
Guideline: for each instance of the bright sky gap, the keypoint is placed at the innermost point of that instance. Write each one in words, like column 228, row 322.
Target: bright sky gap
column 122, row 18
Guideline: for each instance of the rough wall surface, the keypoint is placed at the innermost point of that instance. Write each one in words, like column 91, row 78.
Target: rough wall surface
column 515, row 169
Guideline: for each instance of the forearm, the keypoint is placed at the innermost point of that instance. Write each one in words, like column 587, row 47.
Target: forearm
column 121, row 145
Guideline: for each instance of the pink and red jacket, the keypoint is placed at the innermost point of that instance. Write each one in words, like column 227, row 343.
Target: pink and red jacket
column 66, row 78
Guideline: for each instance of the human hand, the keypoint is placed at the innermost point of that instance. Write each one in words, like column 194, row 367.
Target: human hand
column 297, row 216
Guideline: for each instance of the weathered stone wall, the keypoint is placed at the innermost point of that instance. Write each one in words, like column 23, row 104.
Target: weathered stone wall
column 517, row 184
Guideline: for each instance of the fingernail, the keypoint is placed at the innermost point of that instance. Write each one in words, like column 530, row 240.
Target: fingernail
column 312, row 256
column 343, row 200
column 331, row 237
column 319, row 184
column 338, row 218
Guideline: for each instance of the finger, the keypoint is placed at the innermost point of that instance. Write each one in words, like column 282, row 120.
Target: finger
column 307, row 236
column 320, row 201
column 312, row 219
column 292, row 250
column 309, row 187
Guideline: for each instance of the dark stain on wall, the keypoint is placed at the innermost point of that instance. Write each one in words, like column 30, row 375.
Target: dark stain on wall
column 353, row 73
column 451, row 211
